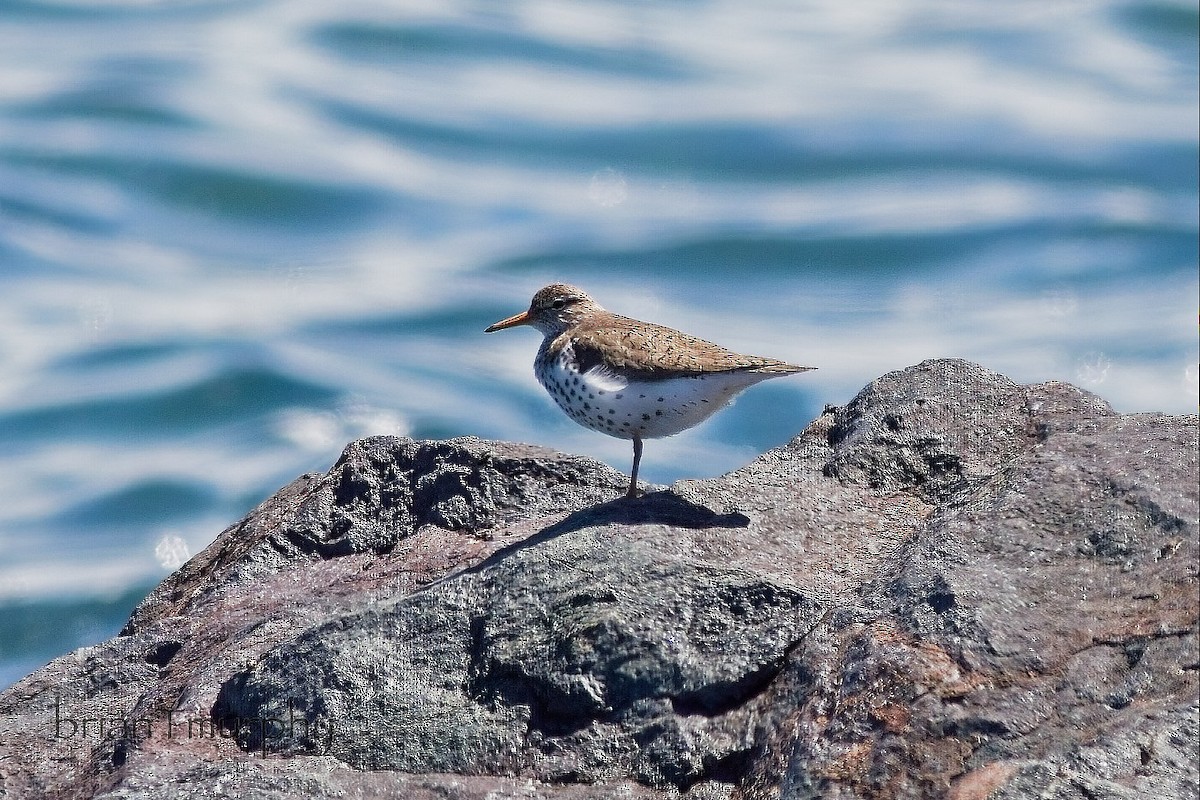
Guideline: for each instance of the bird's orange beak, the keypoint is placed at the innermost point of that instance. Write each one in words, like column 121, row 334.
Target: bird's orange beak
column 511, row 322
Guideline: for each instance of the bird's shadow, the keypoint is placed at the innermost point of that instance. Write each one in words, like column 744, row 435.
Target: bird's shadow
column 657, row 508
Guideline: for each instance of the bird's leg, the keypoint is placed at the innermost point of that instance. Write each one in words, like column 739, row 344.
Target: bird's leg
column 637, row 460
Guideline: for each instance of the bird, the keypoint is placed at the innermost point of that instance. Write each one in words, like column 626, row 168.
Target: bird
column 631, row 379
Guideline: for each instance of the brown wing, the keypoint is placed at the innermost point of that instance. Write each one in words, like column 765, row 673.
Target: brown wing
column 655, row 352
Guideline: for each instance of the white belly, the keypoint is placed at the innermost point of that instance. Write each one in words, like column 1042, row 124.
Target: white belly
column 610, row 404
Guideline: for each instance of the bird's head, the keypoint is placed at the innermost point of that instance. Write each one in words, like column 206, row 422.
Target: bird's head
column 553, row 309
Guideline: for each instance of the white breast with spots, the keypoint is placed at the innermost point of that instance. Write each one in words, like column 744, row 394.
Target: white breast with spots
column 605, row 401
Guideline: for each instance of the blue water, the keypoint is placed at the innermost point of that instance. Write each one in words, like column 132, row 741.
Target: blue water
column 235, row 236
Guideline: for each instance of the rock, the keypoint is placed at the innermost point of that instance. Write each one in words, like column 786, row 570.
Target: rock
column 612, row 667
column 937, row 428
column 954, row 586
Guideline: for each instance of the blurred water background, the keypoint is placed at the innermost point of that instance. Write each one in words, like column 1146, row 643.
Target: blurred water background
column 236, row 235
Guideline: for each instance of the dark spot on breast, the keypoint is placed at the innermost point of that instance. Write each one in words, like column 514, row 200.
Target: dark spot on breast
column 646, row 417
column 599, row 391
column 658, row 413
column 620, row 396
column 661, row 399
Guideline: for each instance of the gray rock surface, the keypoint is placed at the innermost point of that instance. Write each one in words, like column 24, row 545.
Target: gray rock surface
column 954, row 586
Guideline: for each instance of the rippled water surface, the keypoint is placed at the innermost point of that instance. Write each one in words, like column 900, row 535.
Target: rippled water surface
column 235, row 236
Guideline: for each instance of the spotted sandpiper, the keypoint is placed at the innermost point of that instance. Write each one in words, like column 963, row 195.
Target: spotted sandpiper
column 632, row 379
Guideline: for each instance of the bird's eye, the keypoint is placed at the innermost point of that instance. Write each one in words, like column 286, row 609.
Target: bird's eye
column 559, row 303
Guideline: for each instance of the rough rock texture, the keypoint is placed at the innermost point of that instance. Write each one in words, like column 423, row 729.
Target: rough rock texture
column 954, row 586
